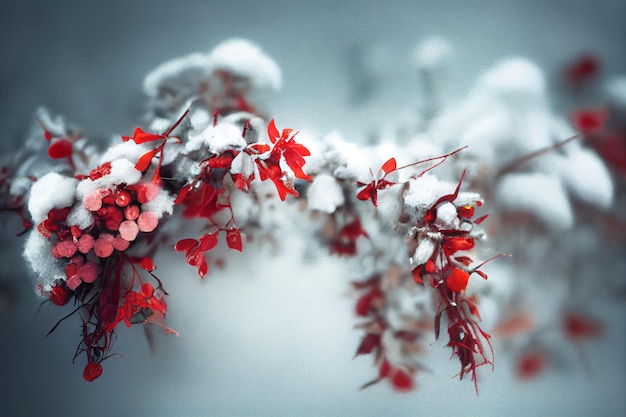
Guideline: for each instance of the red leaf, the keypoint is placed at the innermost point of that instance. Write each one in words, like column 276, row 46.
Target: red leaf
column 257, row 148
column 365, row 193
column 92, row 371
column 481, row 273
column 385, row 369
column 194, row 257
column 140, row 136
column 352, row 230
column 147, row 264
column 516, row 325
column 457, row 280
column 272, row 131
column 147, row 290
column 183, row 193
column 233, row 239
column 481, row 219
column 368, row 344
column 401, row 381
column 590, row 121
column 582, row 70
column 145, row 160
column 579, row 327
column 286, row 133
column 184, row 245
column 203, row 268
column 363, row 305
column 208, row 242
column 452, row 245
column 294, row 159
column 389, row 166
column 60, row 148
column 465, row 260
column 530, row 365
column 417, row 276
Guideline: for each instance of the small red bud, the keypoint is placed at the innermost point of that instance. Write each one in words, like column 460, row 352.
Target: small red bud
column 92, row 371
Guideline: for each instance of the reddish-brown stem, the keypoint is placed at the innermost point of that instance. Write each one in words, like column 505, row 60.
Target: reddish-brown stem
column 490, row 259
column 246, row 126
column 175, row 125
column 526, row 158
column 431, row 159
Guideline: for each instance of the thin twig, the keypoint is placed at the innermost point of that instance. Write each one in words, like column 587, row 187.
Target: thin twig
column 526, row 158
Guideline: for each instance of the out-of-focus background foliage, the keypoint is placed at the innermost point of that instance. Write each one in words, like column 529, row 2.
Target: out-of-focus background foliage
column 257, row 340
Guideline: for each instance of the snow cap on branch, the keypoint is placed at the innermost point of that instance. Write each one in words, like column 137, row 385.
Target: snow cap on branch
column 217, row 139
column 122, row 172
column 540, row 194
column 49, row 192
column 245, row 59
column 324, row 194
column 182, row 75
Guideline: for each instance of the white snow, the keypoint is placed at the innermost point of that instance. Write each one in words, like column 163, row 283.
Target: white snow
column 217, row 139
column 423, row 252
column 584, row 175
column 324, row 194
column 122, row 172
column 433, row 52
column 615, row 89
column 161, row 204
column 79, row 216
column 185, row 73
column 424, row 191
column 37, row 253
column 51, row 191
column 540, row 194
column 245, row 59
column 517, row 81
column 124, row 150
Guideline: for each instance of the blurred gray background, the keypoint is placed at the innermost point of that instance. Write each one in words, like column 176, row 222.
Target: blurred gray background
column 87, row 60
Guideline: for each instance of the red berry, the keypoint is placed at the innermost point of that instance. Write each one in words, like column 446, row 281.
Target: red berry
column 92, row 371
column 60, row 148
column 457, row 280
column 123, row 198
column 60, row 294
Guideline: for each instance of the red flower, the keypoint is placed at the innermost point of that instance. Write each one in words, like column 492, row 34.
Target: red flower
column 275, row 174
column 345, row 242
column 287, row 147
column 284, row 146
column 194, row 251
column 370, row 192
